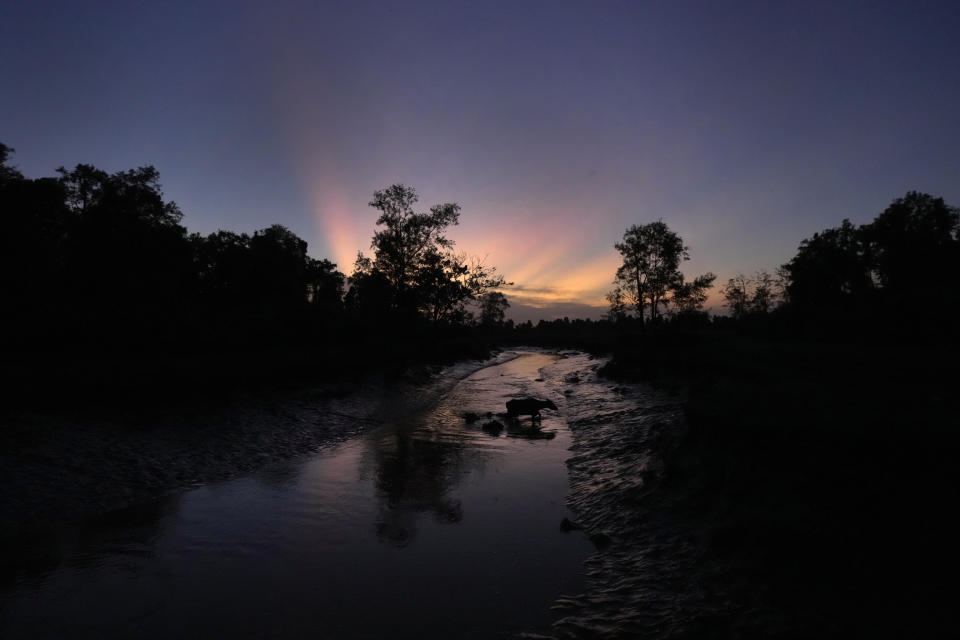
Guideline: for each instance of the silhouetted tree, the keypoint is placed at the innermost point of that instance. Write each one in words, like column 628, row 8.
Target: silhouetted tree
column 758, row 294
column 689, row 297
column 913, row 252
column 764, row 296
column 325, row 285
column 736, row 295
column 32, row 246
column 128, row 260
column 651, row 256
column 649, row 276
column 101, row 261
column 224, row 269
column 832, row 270
column 415, row 265
column 408, row 239
column 493, row 308
column 900, row 268
column 618, row 305
column 7, row 172
column 83, row 186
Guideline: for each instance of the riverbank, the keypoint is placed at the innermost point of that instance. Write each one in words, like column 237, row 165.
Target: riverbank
column 58, row 464
column 102, row 383
column 817, row 477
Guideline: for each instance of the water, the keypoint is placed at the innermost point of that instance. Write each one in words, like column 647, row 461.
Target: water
column 425, row 526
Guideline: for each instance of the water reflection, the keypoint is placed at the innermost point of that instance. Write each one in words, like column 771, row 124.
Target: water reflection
column 27, row 560
column 419, row 463
column 429, row 509
column 415, row 475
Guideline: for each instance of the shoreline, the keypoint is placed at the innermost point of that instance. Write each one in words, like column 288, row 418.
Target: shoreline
column 58, row 467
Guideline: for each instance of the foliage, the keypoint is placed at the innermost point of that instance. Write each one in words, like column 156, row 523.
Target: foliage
column 650, row 278
column 745, row 295
column 689, row 297
column 831, row 269
column 94, row 260
column 902, row 265
column 493, row 308
column 415, row 266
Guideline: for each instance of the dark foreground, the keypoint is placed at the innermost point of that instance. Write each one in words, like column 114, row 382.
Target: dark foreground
column 817, row 476
column 413, row 523
column 790, row 491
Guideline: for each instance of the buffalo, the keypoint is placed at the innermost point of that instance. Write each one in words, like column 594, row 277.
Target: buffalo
column 528, row 407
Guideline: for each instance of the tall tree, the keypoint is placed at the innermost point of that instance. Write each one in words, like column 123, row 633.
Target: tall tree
column 764, row 295
column 913, row 250
column 651, row 258
column 745, row 295
column 832, row 270
column 7, row 172
column 408, row 239
column 689, row 296
column 415, row 262
column 493, row 308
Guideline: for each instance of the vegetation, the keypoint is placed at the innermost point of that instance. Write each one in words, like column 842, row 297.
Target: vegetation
column 650, row 278
column 108, row 294
column 415, row 273
column 899, row 270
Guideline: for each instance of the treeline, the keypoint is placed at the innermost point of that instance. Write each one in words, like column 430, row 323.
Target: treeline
column 101, row 263
column 896, row 274
column 894, row 278
column 98, row 261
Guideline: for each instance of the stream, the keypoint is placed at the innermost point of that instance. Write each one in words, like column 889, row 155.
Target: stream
column 426, row 524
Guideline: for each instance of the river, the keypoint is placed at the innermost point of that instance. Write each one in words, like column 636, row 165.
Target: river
column 427, row 525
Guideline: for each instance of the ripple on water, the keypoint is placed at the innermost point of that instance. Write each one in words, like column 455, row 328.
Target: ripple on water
column 423, row 526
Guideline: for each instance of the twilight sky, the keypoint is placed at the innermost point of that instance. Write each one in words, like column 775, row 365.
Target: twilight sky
column 746, row 126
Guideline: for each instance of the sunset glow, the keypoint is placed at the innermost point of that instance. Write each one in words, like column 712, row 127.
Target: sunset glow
column 553, row 140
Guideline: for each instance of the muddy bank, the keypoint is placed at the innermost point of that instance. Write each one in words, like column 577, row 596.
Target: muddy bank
column 644, row 578
column 802, row 496
column 62, row 466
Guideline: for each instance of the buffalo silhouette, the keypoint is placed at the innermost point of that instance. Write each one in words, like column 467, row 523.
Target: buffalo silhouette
column 528, row 407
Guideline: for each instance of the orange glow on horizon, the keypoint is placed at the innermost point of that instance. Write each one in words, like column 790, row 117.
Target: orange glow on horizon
column 543, row 272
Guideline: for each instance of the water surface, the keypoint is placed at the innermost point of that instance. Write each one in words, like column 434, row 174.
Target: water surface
column 425, row 526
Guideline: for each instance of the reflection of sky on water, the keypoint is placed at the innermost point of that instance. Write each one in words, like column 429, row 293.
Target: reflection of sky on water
column 431, row 523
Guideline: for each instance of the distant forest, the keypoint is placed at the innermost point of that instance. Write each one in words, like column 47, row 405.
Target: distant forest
column 102, row 263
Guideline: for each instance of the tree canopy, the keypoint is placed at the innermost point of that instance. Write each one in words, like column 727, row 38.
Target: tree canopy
column 96, row 260
column 649, row 278
column 903, row 264
column 415, row 271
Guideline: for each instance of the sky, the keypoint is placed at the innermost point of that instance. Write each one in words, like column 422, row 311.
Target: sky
column 745, row 126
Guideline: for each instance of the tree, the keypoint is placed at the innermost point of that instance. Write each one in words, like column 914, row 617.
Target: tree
column 618, row 305
column 736, row 295
column 7, row 173
column 751, row 295
column 324, row 285
column 414, row 263
column 902, row 265
column 409, row 241
column 83, row 185
column 650, row 278
column 832, row 270
column 689, row 297
column 493, row 308
column 764, row 292
column 913, row 252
